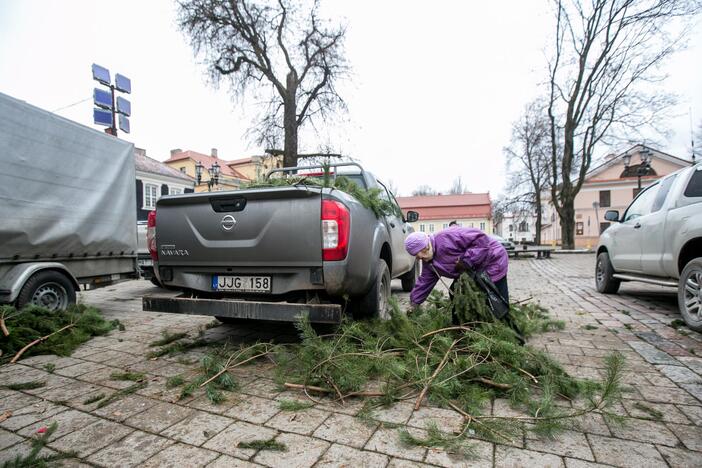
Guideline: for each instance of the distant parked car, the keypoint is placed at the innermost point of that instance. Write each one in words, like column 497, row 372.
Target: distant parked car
column 507, row 244
column 658, row 240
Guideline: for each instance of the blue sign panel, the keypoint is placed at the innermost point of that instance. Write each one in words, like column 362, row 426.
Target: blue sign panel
column 101, row 74
column 124, row 124
column 122, row 83
column 102, row 98
column 102, row 117
column 124, row 106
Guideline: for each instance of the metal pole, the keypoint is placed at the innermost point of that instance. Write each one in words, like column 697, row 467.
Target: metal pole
column 114, row 112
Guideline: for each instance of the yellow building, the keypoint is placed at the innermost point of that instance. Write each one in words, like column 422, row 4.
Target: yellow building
column 187, row 162
column 610, row 186
column 256, row 167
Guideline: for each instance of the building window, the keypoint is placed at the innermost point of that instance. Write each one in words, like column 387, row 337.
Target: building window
column 603, row 227
column 523, row 226
column 511, row 227
column 422, row 228
column 175, row 191
column 150, row 196
column 579, row 228
column 605, row 198
column 482, row 226
column 445, row 226
column 182, row 169
column 472, row 225
column 431, row 227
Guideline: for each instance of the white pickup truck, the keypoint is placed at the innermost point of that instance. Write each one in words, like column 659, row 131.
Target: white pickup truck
column 658, row 240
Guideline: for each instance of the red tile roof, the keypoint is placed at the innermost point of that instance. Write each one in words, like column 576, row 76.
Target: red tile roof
column 207, row 161
column 468, row 205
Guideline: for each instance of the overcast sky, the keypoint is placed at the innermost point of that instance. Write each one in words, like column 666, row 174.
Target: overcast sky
column 433, row 93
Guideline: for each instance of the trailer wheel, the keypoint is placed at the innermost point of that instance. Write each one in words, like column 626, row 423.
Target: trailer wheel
column 49, row 289
column 376, row 301
column 410, row 278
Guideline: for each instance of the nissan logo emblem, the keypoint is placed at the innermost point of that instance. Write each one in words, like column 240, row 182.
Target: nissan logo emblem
column 228, row 222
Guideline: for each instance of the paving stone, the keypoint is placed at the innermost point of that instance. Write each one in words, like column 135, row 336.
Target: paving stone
column 694, row 389
column 574, row 463
column 445, row 420
column 91, row 438
column 8, row 439
column 642, row 430
column 159, row 417
column 262, row 388
column 197, row 428
column 69, row 392
column 341, row 455
column 669, row 413
column 22, row 417
column 17, row 400
column 481, row 457
column 402, row 463
column 21, row 450
column 625, row 453
column 565, row 443
column 395, row 414
column 79, row 369
column 518, row 458
column 228, row 439
column 253, row 409
column 302, row 452
column 301, row 422
column 52, row 382
column 205, row 404
column 592, row 423
column 668, row 395
column 67, row 422
column 694, row 363
column 130, row 451
column 659, row 380
column 388, row 441
column 345, row 430
column 693, row 413
column 691, row 436
column 652, row 354
column 680, row 374
column 225, row 461
column 179, row 456
column 681, row 458
column 125, row 407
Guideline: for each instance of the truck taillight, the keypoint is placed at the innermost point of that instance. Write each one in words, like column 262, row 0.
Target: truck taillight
column 335, row 230
column 151, row 235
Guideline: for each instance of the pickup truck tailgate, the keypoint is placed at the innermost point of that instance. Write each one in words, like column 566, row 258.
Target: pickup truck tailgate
column 269, row 227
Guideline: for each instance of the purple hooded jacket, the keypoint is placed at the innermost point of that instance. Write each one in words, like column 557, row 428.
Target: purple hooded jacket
column 476, row 249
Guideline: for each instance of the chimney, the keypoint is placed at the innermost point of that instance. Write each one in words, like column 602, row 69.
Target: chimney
column 214, row 152
column 175, row 151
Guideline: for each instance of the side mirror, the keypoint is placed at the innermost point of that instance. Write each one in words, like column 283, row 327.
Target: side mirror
column 412, row 216
column 612, row 215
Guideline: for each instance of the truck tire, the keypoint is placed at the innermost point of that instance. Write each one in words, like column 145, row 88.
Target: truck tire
column 376, row 301
column 410, row 278
column 690, row 294
column 604, row 280
column 49, row 289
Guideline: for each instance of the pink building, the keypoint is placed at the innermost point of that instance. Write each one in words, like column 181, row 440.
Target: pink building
column 610, row 186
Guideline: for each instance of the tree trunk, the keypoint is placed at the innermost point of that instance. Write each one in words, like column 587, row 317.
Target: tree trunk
column 537, row 235
column 290, row 121
column 568, row 225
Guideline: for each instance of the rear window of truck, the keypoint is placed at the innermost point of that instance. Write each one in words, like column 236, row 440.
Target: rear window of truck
column 694, row 186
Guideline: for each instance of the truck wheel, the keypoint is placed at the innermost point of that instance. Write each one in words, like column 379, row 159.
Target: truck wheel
column 690, row 294
column 48, row 289
column 410, row 278
column 375, row 302
column 603, row 275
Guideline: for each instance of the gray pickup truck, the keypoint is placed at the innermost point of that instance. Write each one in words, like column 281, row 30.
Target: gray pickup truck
column 658, row 240
column 274, row 253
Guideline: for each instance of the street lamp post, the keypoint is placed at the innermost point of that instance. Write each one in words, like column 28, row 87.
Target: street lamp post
column 213, row 172
column 642, row 169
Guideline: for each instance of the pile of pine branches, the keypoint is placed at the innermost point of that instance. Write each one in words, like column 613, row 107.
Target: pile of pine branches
column 425, row 359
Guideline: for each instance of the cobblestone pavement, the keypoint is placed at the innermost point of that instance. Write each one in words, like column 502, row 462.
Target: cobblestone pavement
column 661, row 407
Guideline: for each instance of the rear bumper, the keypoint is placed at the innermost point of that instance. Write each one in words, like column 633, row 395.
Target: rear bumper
column 275, row 311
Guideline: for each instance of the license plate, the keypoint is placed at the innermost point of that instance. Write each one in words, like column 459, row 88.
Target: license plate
column 261, row 284
column 145, row 262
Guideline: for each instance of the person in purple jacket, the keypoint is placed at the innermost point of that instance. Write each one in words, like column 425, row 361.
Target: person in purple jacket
column 449, row 252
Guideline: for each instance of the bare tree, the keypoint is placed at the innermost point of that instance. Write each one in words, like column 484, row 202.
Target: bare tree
column 604, row 80
column 457, row 187
column 278, row 48
column 423, row 190
column 529, row 163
